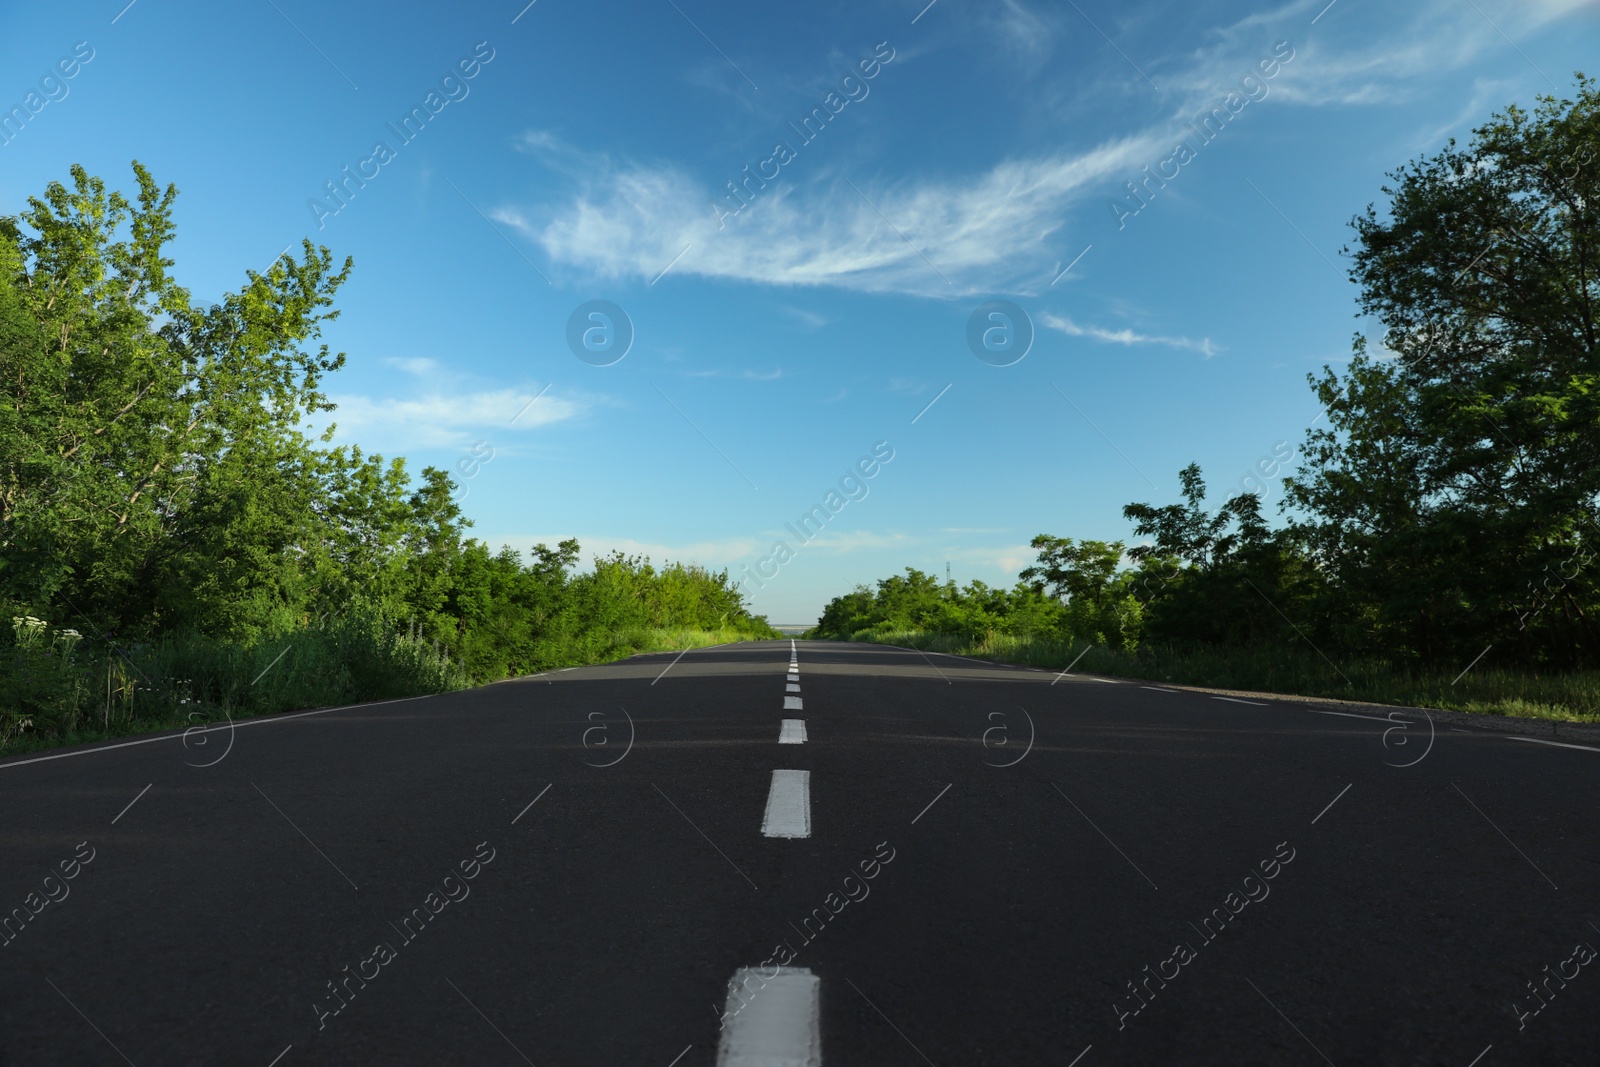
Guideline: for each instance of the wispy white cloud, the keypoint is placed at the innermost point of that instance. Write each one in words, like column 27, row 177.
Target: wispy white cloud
column 443, row 420
column 948, row 236
column 858, row 540
column 745, row 374
column 419, row 367
column 988, row 230
column 1344, row 63
column 1009, row 559
column 1127, row 336
column 810, row 319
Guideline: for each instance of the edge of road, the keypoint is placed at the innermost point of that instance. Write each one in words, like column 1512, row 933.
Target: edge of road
column 1465, row 720
column 169, row 733
column 1506, row 724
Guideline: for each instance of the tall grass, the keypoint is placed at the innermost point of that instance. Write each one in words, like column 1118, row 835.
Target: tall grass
column 1295, row 671
column 58, row 692
column 57, row 689
column 670, row 639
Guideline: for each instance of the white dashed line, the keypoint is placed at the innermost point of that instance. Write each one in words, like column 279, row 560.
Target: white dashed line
column 1557, row 744
column 1236, row 700
column 788, row 807
column 793, row 732
column 772, row 1021
column 792, row 704
column 791, row 688
column 1158, row 689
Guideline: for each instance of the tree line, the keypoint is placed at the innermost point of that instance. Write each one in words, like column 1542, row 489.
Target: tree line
column 158, row 488
column 1448, row 507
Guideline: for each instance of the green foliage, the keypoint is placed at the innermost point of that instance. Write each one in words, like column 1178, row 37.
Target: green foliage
column 1290, row 671
column 157, row 492
column 1100, row 605
column 918, row 602
column 1451, row 501
column 1448, row 508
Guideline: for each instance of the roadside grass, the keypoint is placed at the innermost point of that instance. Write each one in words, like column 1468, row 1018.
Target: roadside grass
column 1564, row 697
column 672, row 639
column 70, row 692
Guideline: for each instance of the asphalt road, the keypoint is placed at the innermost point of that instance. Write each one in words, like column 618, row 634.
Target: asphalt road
column 999, row 866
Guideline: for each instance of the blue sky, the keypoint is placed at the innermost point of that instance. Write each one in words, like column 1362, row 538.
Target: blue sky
column 776, row 345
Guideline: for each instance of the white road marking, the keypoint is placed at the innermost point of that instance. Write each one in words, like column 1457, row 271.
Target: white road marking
column 788, row 806
column 772, row 1020
column 791, row 688
column 792, row 704
column 1557, row 744
column 177, row 735
column 793, row 732
column 1158, row 689
column 1353, row 715
column 1236, row 700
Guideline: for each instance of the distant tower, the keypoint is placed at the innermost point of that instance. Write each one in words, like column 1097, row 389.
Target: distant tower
column 947, row 578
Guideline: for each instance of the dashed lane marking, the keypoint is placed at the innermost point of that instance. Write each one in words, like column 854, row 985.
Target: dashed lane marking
column 772, row 1021
column 788, row 805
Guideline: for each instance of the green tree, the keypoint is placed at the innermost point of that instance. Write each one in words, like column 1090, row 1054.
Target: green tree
column 1087, row 577
column 134, row 420
column 1460, row 472
column 1222, row 578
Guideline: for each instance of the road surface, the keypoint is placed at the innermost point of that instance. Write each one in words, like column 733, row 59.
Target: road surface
column 876, row 858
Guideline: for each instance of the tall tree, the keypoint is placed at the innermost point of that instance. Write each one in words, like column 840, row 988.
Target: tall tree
column 133, row 421
column 1466, row 465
